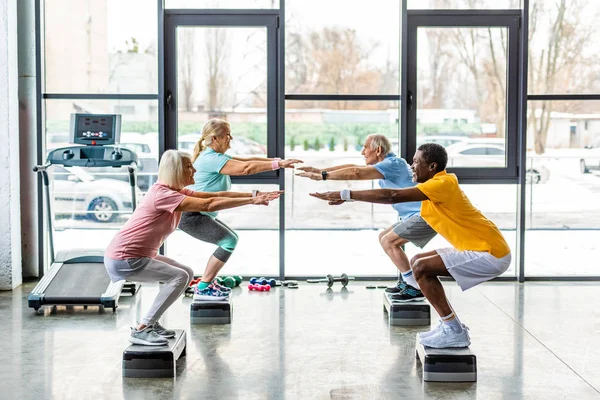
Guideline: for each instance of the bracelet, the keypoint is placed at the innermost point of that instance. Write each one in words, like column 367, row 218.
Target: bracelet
column 254, row 192
column 345, row 195
column 275, row 164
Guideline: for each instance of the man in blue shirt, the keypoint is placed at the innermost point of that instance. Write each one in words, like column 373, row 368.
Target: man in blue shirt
column 393, row 173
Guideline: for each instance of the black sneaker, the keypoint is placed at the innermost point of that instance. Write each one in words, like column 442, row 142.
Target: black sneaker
column 399, row 288
column 409, row 294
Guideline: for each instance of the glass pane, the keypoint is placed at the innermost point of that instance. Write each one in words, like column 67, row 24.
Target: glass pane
column 326, row 134
column 563, row 138
column 224, row 4
column 97, row 47
column 462, row 4
column 139, row 133
column 90, row 204
column 257, row 251
column 222, row 73
column 563, row 47
column 461, row 93
column 333, row 52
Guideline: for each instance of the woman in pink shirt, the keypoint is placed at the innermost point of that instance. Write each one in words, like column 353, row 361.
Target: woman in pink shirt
column 133, row 252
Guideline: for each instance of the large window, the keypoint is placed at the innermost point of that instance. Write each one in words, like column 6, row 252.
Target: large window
column 342, row 72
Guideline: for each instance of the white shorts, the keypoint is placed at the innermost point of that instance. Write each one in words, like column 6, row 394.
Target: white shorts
column 470, row 268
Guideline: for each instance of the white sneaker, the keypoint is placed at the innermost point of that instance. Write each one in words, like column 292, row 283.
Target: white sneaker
column 431, row 332
column 438, row 327
column 446, row 337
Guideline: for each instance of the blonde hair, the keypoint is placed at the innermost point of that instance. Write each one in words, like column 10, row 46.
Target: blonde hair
column 170, row 168
column 379, row 140
column 213, row 128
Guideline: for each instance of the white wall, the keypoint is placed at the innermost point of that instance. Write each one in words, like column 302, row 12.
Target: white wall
column 10, row 215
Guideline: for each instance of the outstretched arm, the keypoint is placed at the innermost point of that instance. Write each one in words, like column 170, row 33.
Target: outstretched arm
column 380, row 196
column 231, row 195
column 354, row 173
column 211, row 204
column 330, row 169
column 237, row 167
column 252, row 158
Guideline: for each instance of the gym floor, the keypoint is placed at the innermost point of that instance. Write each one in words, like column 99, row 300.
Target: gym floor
column 532, row 341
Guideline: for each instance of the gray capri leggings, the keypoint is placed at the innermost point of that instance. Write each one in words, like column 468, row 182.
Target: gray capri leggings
column 211, row 230
column 176, row 278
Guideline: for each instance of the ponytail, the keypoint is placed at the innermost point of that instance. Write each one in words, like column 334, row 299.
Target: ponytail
column 213, row 128
column 198, row 149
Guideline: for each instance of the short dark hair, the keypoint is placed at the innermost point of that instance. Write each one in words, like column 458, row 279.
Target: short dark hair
column 434, row 153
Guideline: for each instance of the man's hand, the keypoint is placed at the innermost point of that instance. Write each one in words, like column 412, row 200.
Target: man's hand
column 289, row 163
column 328, row 196
column 315, row 176
column 309, row 169
column 336, row 202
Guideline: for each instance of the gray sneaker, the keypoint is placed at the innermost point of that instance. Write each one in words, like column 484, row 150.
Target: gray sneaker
column 147, row 337
column 162, row 331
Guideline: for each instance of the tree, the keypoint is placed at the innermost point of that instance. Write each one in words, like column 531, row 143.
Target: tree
column 217, row 84
column 186, row 61
column 566, row 60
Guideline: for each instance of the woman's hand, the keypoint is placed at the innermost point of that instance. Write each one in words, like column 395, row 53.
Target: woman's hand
column 289, row 163
column 309, row 169
column 264, row 198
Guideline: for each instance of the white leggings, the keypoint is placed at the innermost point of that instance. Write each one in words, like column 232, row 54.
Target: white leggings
column 176, row 278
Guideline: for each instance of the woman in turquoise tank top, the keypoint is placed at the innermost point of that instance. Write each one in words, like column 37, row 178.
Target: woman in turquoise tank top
column 213, row 171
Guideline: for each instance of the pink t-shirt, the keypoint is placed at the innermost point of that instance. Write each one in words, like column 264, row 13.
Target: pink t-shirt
column 152, row 222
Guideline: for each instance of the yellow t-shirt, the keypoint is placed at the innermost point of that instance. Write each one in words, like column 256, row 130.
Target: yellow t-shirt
column 450, row 213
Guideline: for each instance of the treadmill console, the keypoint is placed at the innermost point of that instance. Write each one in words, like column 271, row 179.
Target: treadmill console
column 95, row 129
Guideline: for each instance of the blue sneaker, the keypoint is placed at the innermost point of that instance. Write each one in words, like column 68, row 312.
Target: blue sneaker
column 409, row 294
column 221, row 288
column 210, row 293
column 399, row 288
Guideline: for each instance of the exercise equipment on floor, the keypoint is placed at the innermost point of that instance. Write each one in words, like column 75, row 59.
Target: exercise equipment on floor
column 447, row 365
column 259, row 288
column 330, row 279
column 78, row 276
column 154, row 361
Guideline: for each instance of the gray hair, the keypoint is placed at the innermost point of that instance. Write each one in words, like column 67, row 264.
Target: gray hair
column 379, row 140
column 170, row 168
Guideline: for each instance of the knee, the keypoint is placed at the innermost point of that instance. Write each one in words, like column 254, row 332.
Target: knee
column 419, row 268
column 230, row 243
column 381, row 236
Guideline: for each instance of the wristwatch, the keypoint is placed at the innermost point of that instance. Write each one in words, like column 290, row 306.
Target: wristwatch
column 324, row 175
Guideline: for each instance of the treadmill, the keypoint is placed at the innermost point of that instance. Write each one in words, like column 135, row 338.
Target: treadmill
column 78, row 277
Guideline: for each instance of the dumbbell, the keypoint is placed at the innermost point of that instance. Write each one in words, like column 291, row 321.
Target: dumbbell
column 260, row 288
column 229, row 281
column 329, row 279
column 263, row 281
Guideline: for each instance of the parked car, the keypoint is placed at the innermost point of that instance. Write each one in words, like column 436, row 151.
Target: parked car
column 77, row 192
column 591, row 160
column 491, row 155
column 240, row 146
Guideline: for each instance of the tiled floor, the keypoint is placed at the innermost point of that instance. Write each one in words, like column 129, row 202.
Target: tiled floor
column 533, row 341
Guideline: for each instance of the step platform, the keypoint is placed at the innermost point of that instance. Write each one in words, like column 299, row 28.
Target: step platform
column 211, row 312
column 406, row 314
column 131, row 288
column 154, row 361
column 447, row 365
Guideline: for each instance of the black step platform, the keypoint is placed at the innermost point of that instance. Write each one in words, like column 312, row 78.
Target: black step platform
column 406, row 314
column 211, row 312
column 154, row 361
column 447, row 365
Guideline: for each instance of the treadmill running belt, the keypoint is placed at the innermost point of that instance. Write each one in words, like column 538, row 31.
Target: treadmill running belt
column 79, row 280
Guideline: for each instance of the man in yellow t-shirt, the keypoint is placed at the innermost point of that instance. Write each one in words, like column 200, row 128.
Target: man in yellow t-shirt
column 479, row 251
